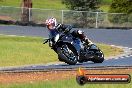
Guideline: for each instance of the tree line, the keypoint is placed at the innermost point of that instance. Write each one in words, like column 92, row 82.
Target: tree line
column 117, row 6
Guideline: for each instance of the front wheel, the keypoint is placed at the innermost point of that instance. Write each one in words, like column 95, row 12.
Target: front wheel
column 67, row 54
column 99, row 57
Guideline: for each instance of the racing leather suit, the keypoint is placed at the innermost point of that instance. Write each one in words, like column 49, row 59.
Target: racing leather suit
column 76, row 33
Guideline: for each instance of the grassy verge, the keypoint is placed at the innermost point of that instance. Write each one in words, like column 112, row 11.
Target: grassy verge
column 24, row 50
column 109, row 50
column 16, row 51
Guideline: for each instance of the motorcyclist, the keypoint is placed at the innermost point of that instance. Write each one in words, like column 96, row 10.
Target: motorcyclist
column 55, row 28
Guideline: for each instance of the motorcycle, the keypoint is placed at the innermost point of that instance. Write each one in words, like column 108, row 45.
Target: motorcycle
column 72, row 50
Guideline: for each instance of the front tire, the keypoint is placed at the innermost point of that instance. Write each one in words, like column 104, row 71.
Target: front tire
column 67, row 54
column 99, row 57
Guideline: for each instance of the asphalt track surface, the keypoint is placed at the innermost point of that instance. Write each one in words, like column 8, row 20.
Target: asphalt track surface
column 119, row 37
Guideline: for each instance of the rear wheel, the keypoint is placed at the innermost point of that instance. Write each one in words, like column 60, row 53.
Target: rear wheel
column 67, row 54
column 60, row 59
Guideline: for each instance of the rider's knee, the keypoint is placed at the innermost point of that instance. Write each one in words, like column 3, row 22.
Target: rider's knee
column 79, row 34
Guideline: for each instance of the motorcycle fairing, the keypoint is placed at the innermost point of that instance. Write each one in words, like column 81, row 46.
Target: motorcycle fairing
column 76, row 43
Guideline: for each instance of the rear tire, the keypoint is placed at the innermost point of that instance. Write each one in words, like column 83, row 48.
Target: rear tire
column 60, row 59
column 71, row 57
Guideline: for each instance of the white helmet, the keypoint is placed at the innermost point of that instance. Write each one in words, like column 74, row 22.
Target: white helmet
column 51, row 23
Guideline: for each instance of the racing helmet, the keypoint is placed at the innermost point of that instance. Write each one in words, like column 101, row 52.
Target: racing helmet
column 51, row 23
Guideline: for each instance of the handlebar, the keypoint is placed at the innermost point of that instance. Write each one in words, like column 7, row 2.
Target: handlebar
column 68, row 29
column 46, row 40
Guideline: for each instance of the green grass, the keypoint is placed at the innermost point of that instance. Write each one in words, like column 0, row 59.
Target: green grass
column 45, row 4
column 106, row 2
column 15, row 51
column 67, row 83
column 110, row 51
column 105, row 5
column 10, row 2
column 50, row 4
column 105, row 8
column 24, row 50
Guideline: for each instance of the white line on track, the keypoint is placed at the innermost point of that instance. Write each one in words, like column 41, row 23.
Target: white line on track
column 12, row 35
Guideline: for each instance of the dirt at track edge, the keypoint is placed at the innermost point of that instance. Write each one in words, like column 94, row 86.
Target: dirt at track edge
column 31, row 77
